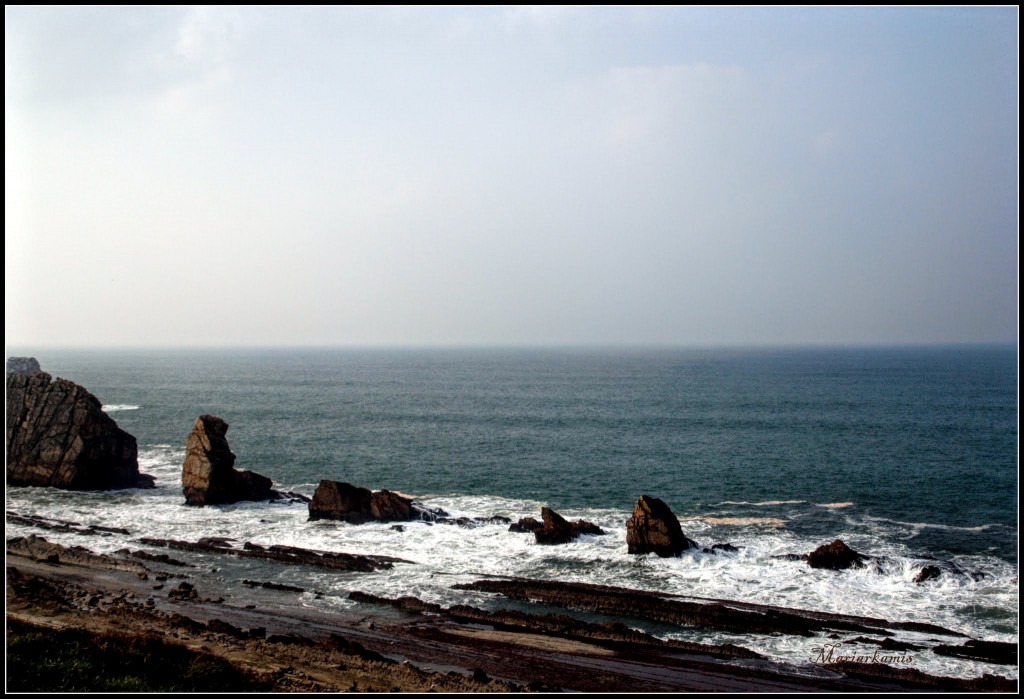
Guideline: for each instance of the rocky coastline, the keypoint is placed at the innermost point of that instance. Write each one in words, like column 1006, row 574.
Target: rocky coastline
column 530, row 635
column 276, row 643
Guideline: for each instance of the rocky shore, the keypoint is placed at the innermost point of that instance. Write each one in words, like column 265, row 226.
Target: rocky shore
column 274, row 642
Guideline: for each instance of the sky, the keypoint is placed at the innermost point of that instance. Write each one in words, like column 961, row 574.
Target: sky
column 193, row 176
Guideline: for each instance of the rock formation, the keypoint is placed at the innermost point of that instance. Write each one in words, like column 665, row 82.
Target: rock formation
column 555, row 529
column 653, row 528
column 208, row 476
column 835, row 556
column 526, row 525
column 350, row 503
column 22, row 365
column 59, row 436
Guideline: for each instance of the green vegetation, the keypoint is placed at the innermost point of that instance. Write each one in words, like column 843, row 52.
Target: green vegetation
column 45, row 660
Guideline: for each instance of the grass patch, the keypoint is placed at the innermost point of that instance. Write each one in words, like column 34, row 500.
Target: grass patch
column 75, row 660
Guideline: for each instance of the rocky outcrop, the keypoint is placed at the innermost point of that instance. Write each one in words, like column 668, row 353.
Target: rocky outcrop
column 22, row 365
column 526, row 525
column 59, row 436
column 725, row 615
column 558, row 625
column 208, row 476
column 998, row 652
column 653, row 528
column 331, row 560
column 356, row 505
column 835, row 556
column 555, row 529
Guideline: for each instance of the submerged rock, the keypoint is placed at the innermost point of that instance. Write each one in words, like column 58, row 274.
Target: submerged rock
column 349, row 503
column 208, row 476
column 59, row 436
column 928, row 572
column 653, row 528
column 835, row 556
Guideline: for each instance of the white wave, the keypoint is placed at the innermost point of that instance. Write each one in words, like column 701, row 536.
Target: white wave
column 770, row 521
column 834, row 505
column 928, row 525
column 443, row 555
column 766, row 503
column 118, row 406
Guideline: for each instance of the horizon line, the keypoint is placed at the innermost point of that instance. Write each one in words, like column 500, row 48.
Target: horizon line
column 8, row 348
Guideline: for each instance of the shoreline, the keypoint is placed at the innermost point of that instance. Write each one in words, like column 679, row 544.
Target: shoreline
column 382, row 644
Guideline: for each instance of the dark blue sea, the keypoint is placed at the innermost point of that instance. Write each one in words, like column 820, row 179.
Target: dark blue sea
column 904, row 453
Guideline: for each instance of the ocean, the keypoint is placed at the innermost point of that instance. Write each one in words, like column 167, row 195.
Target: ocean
column 906, row 454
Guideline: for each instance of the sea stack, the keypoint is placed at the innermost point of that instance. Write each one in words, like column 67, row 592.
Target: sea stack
column 59, row 436
column 653, row 528
column 208, row 476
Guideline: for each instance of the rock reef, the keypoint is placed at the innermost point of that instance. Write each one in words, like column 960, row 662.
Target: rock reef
column 209, row 477
column 59, row 436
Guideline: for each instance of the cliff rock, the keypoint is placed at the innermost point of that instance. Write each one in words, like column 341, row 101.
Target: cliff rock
column 59, row 436
column 353, row 504
column 208, row 476
column 653, row 528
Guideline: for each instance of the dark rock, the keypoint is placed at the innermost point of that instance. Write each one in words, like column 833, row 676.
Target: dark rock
column 928, row 572
column 290, row 639
column 725, row 615
column 549, row 624
column 987, row 651
column 22, row 365
column 790, row 557
column 728, row 548
column 558, row 530
column 59, row 436
column 469, row 522
column 184, row 591
column 289, row 496
column 887, row 643
column 526, row 525
column 835, row 556
column 937, row 568
column 653, row 528
column 208, row 476
column 349, row 503
column 273, row 586
column 284, row 554
column 386, row 506
column 220, row 626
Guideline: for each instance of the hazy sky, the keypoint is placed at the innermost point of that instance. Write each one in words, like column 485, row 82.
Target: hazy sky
column 207, row 176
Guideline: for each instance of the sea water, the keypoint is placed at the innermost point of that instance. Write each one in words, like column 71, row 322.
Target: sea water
column 906, row 454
